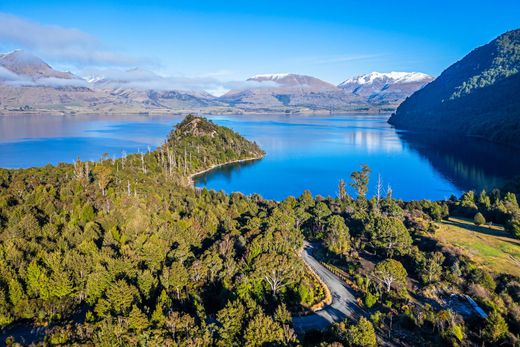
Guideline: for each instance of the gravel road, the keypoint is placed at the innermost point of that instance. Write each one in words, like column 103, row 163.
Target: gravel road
column 343, row 301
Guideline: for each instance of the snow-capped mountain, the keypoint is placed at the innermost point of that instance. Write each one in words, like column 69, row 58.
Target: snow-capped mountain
column 270, row 77
column 282, row 91
column 23, row 63
column 387, row 78
column 389, row 87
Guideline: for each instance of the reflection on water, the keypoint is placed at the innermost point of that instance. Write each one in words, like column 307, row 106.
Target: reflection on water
column 374, row 141
column 468, row 162
column 226, row 172
column 303, row 152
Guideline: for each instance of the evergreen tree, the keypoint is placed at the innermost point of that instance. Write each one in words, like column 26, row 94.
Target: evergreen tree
column 337, row 237
column 496, row 327
column 359, row 180
column 362, row 334
column 390, row 273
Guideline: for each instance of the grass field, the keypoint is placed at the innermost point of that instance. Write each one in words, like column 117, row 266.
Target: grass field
column 488, row 246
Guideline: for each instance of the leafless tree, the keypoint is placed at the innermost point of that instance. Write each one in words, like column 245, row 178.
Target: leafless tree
column 379, row 190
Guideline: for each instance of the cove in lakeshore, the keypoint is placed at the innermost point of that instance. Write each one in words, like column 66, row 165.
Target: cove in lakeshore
column 303, row 152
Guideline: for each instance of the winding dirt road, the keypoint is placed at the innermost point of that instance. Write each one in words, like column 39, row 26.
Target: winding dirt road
column 343, row 301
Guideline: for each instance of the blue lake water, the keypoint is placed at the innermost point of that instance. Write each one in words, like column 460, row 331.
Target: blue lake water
column 303, row 152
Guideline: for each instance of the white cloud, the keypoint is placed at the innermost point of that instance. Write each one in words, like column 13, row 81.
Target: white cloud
column 143, row 79
column 7, row 75
column 58, row 43
column 10, row 78
column 60, row 82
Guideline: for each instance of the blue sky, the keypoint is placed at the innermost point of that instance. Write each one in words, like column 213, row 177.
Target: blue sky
column 231, row 40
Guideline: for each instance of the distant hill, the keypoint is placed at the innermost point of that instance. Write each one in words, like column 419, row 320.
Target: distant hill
column 30, row 85
column 386, row 88
column 295, row 81
column 286, row 92
column 477, row 96
column 151, row 90
column 372, row 92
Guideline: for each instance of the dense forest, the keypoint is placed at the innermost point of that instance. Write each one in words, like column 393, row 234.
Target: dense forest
column 476, row 96
column 127, row 252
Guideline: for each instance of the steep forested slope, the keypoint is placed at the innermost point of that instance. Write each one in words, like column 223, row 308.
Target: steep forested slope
column 477, row 96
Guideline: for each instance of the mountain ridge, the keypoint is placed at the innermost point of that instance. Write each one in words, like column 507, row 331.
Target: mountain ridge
column 24, row 63
column 475, row 96
column 394, row 76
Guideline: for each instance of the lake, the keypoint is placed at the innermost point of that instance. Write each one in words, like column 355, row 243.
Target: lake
column 303, row 152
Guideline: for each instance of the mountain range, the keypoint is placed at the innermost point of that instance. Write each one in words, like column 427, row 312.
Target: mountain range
column 477, row 96
column 30, row 85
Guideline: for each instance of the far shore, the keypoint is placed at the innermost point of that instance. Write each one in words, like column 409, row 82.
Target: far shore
column 180, row 112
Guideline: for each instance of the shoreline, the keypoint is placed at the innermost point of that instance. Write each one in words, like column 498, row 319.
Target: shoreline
column 4, row 113
column 191, row 181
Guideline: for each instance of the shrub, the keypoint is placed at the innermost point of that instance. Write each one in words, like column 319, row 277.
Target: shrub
column 479, row 219
column 370, row 300
column 458, row 332
column 376, row 317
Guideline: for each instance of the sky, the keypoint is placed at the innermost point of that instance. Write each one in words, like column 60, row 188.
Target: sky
column 226, row 41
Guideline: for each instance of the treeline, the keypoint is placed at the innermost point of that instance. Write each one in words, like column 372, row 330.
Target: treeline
column 122, row 252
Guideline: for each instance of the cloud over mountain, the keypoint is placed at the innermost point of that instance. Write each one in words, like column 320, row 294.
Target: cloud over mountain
column 142, row 79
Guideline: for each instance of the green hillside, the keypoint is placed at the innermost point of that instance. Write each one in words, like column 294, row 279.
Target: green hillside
column 477, row 96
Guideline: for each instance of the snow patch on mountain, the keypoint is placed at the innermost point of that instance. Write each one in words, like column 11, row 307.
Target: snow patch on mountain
column 388, row 77
column 274, row 76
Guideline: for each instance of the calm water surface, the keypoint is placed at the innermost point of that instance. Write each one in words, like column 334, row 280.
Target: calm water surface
column 303, row 152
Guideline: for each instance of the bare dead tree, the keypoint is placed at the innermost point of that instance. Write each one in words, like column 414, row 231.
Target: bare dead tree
column 389, row 192
column 87, row 172
column 185, row 162
column 123, row 159
column 379, row 190
column 171, row 161
column 161, row 157
column 143, row 165
column 78, row 169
